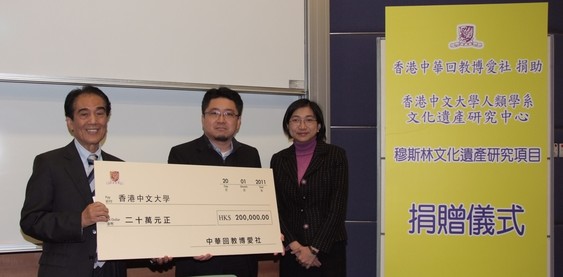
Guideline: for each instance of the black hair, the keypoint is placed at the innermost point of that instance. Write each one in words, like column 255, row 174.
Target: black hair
column 221, row 92
column 87, row 89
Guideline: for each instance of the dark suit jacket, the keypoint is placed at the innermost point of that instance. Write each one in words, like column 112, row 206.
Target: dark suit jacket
column 201, row 152
column 57, row 193
column 312, row 213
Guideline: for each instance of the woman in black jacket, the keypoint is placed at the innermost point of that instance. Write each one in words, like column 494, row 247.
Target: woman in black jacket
column 311, row 180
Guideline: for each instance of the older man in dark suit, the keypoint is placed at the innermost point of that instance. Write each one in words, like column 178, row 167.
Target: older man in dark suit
column 59, row 208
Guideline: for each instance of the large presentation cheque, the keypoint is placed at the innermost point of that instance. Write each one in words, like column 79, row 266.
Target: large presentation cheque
column 185, row 210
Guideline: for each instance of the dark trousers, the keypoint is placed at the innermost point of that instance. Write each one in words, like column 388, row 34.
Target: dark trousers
column 333, row 264
column 239, row 265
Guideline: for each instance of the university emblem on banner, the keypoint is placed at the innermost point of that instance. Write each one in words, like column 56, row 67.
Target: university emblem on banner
column 466, row 38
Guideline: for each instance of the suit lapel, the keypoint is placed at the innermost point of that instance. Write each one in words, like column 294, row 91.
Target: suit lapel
column 75, row 169
column 290, row 162
column 317, row 160
column 289, row 165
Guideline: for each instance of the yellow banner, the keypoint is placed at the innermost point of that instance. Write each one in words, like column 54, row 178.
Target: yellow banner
column 466, row 141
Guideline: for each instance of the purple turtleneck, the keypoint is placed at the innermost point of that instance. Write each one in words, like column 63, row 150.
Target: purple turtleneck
column 304, row 152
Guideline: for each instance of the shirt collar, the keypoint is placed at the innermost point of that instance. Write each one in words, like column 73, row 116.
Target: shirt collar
column 223, row 155
column 85, row 153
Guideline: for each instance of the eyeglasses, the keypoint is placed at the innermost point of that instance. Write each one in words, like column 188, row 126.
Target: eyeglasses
column 229, row 115
column 309, row 121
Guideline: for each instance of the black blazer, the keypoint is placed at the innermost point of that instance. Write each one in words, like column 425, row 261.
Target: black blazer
column 200, row 152
column 312, row 213
column 57, row 193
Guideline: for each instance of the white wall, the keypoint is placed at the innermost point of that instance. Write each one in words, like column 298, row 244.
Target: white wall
column 244, row 42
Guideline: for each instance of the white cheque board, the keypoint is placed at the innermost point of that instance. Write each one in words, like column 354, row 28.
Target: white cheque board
column 161, row 210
